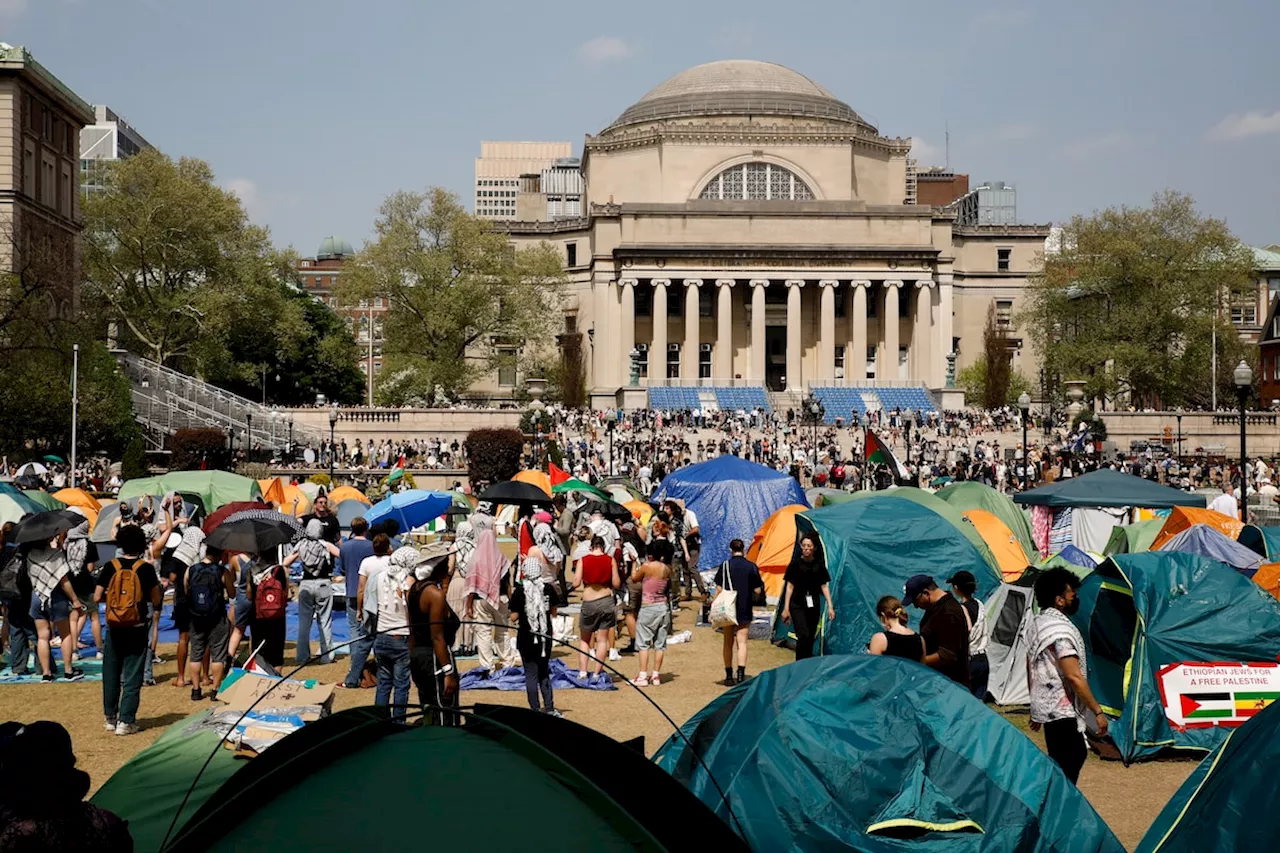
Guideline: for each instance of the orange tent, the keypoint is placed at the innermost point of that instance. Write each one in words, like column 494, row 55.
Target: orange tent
column 541, row 479
column 82, row 499
column 640, row 510
column 290, row 493
column 346, row 493
column 1003, row 544
column 272, row 491
column 773, row 545
column 1182, row 517
column 1268, row 577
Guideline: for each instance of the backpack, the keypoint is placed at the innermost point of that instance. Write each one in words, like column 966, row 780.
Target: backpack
column 124, row 595
column 269, row 597
column 205, row 593
column 11, row 577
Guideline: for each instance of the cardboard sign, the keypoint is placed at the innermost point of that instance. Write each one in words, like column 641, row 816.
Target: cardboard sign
column 249, row 687
column 1201, row 695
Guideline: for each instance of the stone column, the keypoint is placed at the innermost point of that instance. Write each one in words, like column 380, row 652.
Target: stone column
column 757, row 328
column 601, row 354
column 723, row 355
column 689, row 368
column 855, row 359
column 889, row 368
column 827, row 331
column 921, row 362
column 627, row 338
column 658, row 349
column 945, row 333
column 793, row 334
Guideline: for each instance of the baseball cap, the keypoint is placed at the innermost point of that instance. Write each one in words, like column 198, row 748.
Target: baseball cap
column 916, row 584
column 962, row 577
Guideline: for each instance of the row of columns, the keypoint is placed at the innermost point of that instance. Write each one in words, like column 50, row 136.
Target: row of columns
column 931, row 323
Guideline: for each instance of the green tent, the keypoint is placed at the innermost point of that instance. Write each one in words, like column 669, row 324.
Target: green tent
column 215, row 489
column 14, row 504
column 1229, row 802
column 1148, row 620
column 1106, row 487
column 573, row 484
column 970, row 495
column 558, row 785
column 46, row 500
column 941, row 508
column 1133, row 538
column 879, row 755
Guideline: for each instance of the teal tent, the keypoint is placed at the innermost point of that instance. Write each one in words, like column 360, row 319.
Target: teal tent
column 1133, row 538
column 970, row 495
column 872, row 545
column 1148, row 620
column 1264, row 540
column 14, row 504
column 1229, row 802
column 876, row 754
column 1106, row 487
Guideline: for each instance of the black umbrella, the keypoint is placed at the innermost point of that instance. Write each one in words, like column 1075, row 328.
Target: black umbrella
column 43, row 526
column 611, row 511
column 251, row 535
column 514, row 492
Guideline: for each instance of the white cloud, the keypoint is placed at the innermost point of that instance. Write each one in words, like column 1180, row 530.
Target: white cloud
column 926, row 154
column 1244, row 125
column 248, row 193
column 1102, row 145
column 12, row 8
column 604, row 49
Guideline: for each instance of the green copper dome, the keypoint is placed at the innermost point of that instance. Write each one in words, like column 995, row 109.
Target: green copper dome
column 333, row 247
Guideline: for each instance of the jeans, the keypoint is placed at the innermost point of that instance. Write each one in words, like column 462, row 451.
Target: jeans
column 979, row 675
column 537, row 678
column 315, row 601
column 361, row 643
column 153, row 639
column 122, row 672
column 22, row 634
column 392, row 654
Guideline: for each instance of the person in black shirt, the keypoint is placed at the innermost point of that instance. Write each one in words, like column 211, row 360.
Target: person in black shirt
column 743, row 577
column 896, row 640
column 805, row 580
column 126, row 648
column 944, row 627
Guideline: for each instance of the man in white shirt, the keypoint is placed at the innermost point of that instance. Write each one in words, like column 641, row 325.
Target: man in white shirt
column 1226, row 504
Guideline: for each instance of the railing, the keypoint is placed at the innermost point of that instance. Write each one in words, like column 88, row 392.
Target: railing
column 867, row 383
column 1258, row 419
column 384, row 416
column 702, row 383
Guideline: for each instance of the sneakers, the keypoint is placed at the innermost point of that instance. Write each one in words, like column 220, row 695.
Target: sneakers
column 582, row 675
column 554, row 713
column 196, row 694
column 641, row 680
column 614, row 654
column 123, row 729
column 109, row 725
column 654, row 679
column 629, row 648
column 47, row 679
column 76, row 674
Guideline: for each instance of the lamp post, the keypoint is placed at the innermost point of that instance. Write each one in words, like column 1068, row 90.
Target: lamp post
column 1178, row 415
column 275, row 419
column 813, row 413
column 333, row 423
column 610, row 425
column 248, row 435
column 1024, row 403
column 289, row 449
column 1244, row 384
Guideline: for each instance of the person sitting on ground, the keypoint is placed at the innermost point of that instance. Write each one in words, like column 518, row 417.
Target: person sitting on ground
column 743, row 577
column 129, row 587
column 209, row 586
column 597, row 577
column 896, row 640
column 945, row 628
column 654, row 622
column 532, row 609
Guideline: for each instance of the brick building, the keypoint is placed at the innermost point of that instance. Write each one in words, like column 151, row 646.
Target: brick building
column 320, row 276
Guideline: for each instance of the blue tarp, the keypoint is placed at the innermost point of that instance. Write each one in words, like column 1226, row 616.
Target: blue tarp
column 512, row 678
column 1204, row 540
column 412, row 508
column 731, row 497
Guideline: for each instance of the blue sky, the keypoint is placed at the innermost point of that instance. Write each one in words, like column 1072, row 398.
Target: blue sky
column 315, row 110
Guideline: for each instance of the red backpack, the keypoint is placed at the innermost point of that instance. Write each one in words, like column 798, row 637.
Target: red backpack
column 270, row 598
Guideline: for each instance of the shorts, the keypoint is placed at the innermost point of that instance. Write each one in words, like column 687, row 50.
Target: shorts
column 211, row 634
column 182, row 616
column 597, row 615
column 57, row 610
column 83, row 583
column 244, row 613
column 651, row 627
column 635, row 592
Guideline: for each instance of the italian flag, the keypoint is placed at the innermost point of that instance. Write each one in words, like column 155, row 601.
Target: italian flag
column 877, row 451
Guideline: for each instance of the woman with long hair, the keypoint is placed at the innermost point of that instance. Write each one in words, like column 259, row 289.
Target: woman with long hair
column 654, row 576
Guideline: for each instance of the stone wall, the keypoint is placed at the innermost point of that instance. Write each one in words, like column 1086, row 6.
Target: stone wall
column 1215, row 433
column 379, row 424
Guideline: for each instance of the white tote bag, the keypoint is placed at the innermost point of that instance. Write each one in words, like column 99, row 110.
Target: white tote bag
column 724, row 609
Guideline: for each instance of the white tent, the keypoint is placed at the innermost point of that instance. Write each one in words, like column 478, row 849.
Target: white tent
column 1009, row 611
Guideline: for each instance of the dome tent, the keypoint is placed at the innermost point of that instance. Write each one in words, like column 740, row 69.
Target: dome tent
column 879, row 754
column 973, row 495
column 533, row 764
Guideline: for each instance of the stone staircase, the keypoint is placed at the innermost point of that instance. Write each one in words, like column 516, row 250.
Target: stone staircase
column 781, row 401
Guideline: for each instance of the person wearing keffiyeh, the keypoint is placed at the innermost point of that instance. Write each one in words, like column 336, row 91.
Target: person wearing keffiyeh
column 484, row 594
column 82, row 555
column 531, row 609
column 315, row 592
column 52, row 601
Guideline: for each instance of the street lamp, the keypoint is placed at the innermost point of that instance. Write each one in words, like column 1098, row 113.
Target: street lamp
column 248, row 435
column 610, row 425
column 1244, row 384
column 289, row 449
column 333, row 423
column 813, row 413
column 1024, row 403
column 1178, row 415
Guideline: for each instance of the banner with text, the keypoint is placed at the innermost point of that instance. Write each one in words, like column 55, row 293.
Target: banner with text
column 1198, row 695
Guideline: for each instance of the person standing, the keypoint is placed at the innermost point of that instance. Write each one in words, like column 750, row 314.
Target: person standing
column 268, row 591
column 315, row 592
column 367, row 607
column 596, row 575
column 1061, row 702
column 17, row 604
column 484, row 594
column 531, row 609
column 82, row 555
column 896, row 640
column 433, row 627
column 53, row 598
column 807, row 583
column 129, row 587
column 209, row 586
column 743, row 577
column 654, row 576
column 963, row 585
column 351, row 553
column 391, row 644
column 320, row 512
column 945, row 628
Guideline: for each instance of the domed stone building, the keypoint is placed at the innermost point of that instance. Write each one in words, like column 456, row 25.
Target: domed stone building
column 745, row 227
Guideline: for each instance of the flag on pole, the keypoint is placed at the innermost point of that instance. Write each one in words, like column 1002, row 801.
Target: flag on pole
column 557, row 474
column 396, row 474
column 877, row 451
column 260, row 666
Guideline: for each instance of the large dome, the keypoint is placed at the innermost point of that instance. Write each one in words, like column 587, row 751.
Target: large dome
column 738, row 87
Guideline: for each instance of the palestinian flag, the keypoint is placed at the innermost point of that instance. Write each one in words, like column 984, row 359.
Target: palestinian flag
column 396, row 474
column 558, row 475
column 1248, row 704
column 877, row 451
column 1207, row 706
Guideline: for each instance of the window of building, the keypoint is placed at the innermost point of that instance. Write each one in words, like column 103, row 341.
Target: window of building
column 306, row 264
column 704, row 361
column 29, row 168
column 841, row 299
column 507, row 367
column 643, row 349
column 675, row 306
column 48, row 180
column 571, row 254
column 64, row 191
column 1244, row 315
column 644, row 301
column 1273, row 287
column 1275, row 329
column 377, row 302
column 873, row 306
column 673, row 361
column 840, row 361
column 1002, row 259
column 1004, row 313
column 756, row 182
column 706, row 298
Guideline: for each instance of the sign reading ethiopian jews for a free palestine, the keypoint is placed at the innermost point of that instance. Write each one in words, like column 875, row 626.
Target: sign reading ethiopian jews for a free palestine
column 1197, row 695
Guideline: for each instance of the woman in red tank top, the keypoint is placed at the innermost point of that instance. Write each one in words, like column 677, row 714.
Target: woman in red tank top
column 597, row 577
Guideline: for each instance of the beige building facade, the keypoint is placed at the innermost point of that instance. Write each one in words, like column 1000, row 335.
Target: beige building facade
column 498, row 170
column 743, row 226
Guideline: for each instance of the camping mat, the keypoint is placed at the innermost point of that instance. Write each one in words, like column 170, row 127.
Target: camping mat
column 92, row 672
column 512, row 678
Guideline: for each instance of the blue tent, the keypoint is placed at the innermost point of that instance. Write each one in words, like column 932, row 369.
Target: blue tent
column 878, row 754
column 1145, row 618
column 1207, row 542
column 731, row 497
column 1071, row 557
column 1229, row 801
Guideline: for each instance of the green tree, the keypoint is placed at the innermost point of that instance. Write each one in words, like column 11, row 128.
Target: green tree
column 456, row 293
column 997, row 359
column 973, row 379
column 1130, row 302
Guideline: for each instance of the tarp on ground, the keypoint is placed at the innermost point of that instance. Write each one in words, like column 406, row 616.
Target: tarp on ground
column 1106, row 487
column 1229, row 801
column 1003, row 543
column 1209, row 542
column 214, row 488
column 971, row 495
column 731, row 497
column 1182, row 517
column 1133, row 538
column 1147, row 620
column 876, row 754
column 871, row 546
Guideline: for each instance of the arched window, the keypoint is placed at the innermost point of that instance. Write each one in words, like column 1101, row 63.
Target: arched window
column 756, row 182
